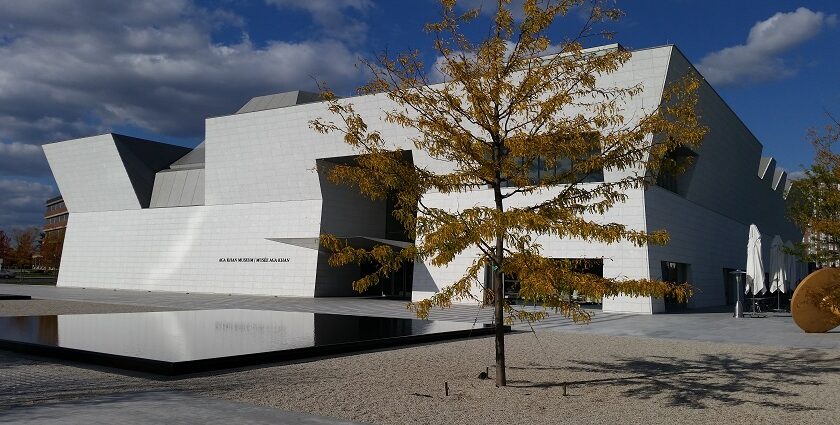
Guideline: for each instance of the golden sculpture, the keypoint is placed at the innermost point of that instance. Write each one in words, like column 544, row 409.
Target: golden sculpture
column 808, row 305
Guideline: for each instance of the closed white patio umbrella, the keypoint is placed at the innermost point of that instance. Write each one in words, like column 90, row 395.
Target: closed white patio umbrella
column 755, row 265
column 778, row 270
column 778, row 266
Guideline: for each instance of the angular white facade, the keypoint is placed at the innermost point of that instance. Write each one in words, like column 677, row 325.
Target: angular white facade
column 242, row 213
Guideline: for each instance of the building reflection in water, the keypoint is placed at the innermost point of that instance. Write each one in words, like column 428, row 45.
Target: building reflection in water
column 178, row 336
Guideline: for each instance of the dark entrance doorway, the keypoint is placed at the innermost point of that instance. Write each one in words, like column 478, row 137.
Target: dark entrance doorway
column 396, row 286
column 361, row 223
column 674, row 273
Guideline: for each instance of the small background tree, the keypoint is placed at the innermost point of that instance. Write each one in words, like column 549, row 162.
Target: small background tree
column 51, row 246
column 512, row 102
column 25, row 244
column 814, row 205
column 814, row 201
column 5, row 249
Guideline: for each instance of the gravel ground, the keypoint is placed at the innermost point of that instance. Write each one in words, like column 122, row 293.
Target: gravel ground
column 44, row 307
column 610, row 380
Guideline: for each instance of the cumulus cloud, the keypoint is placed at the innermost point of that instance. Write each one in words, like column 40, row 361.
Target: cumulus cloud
column 83, row 67
column 760, row 58
column 488, row 7
column 22, row 159
column 151, row 64
column 796, row 175
column 438, row 74
column 23, row 202
column 336, row 18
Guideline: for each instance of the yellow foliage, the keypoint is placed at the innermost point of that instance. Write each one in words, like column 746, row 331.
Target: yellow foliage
column 814, row 200
column 511, row 103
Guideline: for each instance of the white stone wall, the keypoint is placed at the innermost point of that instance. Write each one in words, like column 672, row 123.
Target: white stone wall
column 90, row 175
column 270, row 155
column 709, row 225
column 260, row 182
column 178, row 249
column 621, row 260
column 260, row 168
column 178, row 188
column 704, row 239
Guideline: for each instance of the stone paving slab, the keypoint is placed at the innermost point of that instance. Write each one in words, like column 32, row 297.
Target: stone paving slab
column 776, row 330
column 158, row 408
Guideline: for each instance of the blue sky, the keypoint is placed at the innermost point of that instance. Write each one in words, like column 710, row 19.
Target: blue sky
column 157, row 68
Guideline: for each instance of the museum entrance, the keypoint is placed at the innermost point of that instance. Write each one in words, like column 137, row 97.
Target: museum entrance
column 395, row 286
column 675, row 273
column 361, row 223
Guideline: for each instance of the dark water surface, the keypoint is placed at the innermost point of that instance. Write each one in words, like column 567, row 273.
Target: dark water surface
column 187, row 336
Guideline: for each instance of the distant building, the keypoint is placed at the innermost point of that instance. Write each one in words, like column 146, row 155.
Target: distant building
column 56, row 217
column 242, row 212
column 55, row 225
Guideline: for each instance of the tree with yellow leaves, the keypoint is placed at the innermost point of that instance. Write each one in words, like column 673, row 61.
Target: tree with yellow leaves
column 814, row 205
column 814, row 200
column 516, row 116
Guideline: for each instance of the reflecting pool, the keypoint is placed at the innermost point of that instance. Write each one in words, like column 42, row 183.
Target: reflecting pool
column 172, row 342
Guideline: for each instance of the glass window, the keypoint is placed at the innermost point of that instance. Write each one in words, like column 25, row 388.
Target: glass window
column 674, row 174
column 547, row 170
column 512, row 285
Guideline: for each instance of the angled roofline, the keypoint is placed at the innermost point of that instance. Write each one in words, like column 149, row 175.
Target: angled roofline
column 586, row 50
column 714, row 90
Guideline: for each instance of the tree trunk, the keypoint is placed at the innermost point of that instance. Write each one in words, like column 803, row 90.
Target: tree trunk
column 498, row 291
column 498, row 287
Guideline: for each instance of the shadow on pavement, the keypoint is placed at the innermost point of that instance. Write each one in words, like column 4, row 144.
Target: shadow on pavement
column 714, row 378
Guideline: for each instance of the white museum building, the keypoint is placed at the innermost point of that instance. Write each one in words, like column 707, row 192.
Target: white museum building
column 242, row 212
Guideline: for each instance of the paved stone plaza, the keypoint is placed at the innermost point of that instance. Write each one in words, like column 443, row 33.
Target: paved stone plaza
column 716, row 326
column 693, row 368
column 158, row 407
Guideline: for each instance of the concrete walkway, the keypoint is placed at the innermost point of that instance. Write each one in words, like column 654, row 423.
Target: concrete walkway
column 158, row 408
column 774, row 330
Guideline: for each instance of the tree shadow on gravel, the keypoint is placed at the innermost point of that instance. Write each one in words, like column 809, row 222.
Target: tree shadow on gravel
column 720, row 379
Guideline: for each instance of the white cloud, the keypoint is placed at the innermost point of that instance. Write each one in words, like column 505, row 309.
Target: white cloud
column 22, row 159
column 73, row 68
column 22, row 202
column 796, row 175
column 438, row 73
column 760, row 58
column 336, row 18
column 489, row 7
column 154, row 67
